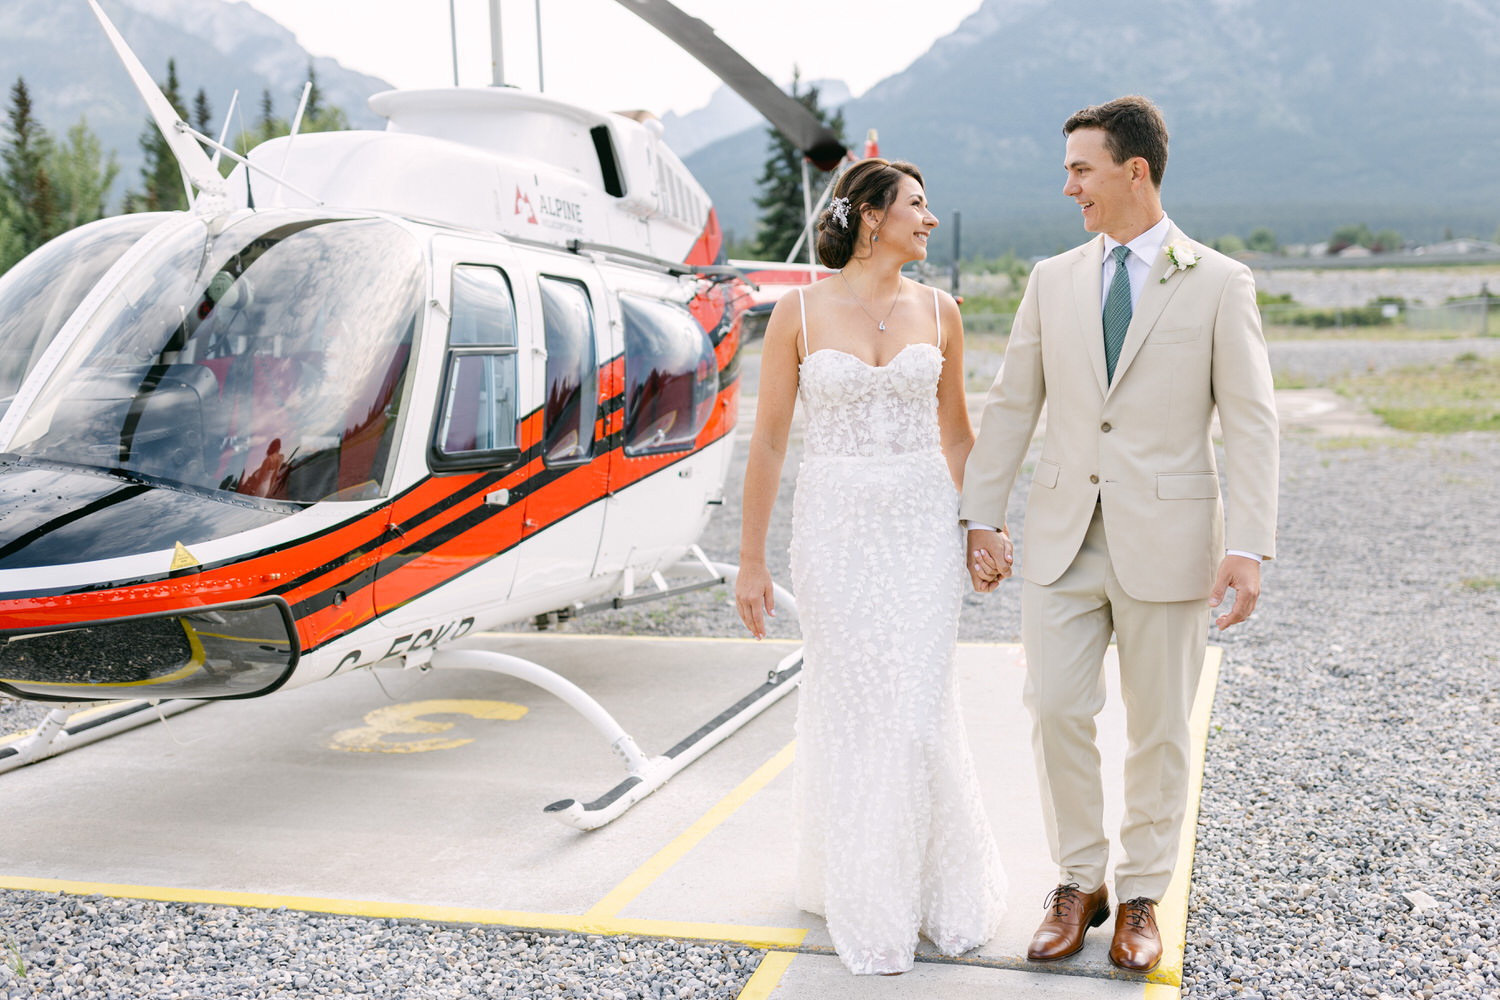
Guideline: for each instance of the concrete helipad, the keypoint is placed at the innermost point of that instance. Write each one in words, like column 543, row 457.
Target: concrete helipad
column 420, row 795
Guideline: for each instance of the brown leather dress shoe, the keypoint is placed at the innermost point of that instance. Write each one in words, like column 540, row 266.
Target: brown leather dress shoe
column 1071, row 914
column 1137, row 943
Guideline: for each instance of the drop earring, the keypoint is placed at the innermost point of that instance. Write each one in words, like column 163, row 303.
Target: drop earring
column 875, row 238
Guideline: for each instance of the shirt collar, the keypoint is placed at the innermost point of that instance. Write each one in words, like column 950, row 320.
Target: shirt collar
column 1145, row 246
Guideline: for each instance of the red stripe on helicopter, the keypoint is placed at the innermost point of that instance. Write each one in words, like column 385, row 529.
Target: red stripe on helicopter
column 710, row 244
column 327, row 577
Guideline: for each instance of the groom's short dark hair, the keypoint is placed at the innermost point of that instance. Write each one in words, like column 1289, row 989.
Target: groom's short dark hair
column 1133, row 126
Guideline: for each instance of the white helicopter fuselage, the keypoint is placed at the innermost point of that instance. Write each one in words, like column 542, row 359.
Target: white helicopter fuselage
column 397, row 387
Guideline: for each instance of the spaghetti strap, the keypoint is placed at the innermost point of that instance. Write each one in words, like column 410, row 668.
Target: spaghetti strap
column 802, row 305
column 937, row 311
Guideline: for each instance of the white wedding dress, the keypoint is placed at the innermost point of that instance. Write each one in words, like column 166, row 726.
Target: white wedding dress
column 893, row 838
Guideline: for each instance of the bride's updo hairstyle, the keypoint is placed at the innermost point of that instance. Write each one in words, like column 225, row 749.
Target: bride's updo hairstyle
column 870, row 183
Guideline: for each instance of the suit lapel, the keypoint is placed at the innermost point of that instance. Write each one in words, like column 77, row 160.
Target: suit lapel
column 1088, row 293
column 1154, row 299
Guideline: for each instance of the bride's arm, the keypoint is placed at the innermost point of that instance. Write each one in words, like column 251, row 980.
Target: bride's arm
column 775, row 400
column 953, row 407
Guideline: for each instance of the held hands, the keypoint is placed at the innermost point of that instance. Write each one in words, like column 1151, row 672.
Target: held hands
column 755, row 597
column 1244, row 576
column 990, row 555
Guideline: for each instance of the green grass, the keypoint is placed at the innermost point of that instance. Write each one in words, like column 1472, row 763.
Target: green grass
column 1481, row 584
column 1432, row 399
column 13, row 960
column 1361, row 442
column 1392, row 331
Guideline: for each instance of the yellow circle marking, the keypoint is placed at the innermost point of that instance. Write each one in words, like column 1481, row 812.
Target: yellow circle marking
column 408, row 718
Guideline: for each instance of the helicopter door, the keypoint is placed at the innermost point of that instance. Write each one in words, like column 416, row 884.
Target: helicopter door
column 564, row 518
column 466, row 519
column 659, row 481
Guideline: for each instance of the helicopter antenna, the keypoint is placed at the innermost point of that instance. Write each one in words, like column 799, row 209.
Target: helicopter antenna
column 497, row 48
column 198, row 171
column 249, row 189
column 224, row 132
column 788, row 115
column 296, row 122
column 453, row 32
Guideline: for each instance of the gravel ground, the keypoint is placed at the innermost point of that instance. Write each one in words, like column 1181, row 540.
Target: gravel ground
column 93, row 947
column 1349, row 832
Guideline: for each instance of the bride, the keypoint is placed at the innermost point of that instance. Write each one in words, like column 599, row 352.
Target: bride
column 892, row 836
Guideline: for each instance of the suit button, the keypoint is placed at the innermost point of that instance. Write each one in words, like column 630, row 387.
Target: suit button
column 1106, row 428
column 1094, row 480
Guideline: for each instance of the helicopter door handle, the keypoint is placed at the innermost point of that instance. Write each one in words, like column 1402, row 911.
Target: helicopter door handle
column 497, row 498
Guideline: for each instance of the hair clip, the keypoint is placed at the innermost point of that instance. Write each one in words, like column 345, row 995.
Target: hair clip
column 840, row 209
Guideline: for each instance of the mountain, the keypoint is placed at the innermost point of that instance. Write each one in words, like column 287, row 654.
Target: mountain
column 727, row 113
column 71, row 71
column 1300, row 116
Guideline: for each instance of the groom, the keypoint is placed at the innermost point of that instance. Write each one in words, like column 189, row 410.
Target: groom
column 1132, row 340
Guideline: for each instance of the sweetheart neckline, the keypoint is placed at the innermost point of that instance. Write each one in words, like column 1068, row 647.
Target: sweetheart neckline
column 856, row 357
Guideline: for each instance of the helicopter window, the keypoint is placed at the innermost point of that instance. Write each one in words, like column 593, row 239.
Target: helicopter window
column 572, row 379
column 671, row 376
column 608, row 162
column 477, row 425
column 268, row 360
column 39, row 294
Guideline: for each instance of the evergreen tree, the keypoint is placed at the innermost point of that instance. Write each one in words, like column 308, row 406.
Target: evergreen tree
column 316, row 117
column 269, row 126
column 12, row 248
column 780, row 200
column 30, row 203
column 320, row 117
column 161, row 177
column 46, row 188
column 203, row 115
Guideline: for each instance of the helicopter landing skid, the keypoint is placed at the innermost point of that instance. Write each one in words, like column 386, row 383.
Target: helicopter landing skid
column 646, row 774
column 62, row 730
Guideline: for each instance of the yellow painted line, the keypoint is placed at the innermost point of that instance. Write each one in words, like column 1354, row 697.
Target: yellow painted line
column 1157, row 991
column 621, row 895
column 756, row 937
column 1171, row 913
column 767, row 975
column 760, row 937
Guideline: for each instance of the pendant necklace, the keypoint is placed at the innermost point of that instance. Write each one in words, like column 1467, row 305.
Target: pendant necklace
column 878, row 322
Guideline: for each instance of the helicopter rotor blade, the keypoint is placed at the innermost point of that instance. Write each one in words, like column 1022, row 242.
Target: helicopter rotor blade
column 788, row 115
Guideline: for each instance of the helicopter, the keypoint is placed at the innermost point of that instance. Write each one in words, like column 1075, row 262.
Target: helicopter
column 374, row 391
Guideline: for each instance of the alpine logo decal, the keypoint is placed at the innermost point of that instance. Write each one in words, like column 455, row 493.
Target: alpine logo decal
column 538, row 208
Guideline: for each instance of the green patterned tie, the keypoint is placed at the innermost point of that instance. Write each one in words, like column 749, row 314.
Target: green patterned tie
column 1116, row 311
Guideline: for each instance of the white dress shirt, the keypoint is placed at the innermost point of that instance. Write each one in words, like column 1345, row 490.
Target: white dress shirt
column 1144, row 250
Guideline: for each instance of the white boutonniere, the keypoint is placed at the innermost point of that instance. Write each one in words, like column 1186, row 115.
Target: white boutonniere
column 1181, row 255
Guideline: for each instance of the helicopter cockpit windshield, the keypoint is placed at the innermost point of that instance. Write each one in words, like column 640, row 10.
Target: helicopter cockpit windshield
column 39, row 294
column 268, row 360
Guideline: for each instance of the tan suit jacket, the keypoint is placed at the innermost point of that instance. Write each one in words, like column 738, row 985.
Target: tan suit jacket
column 1141, row 446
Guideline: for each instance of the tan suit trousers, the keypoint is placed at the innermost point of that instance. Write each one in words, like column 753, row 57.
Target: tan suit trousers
column 1065, row 628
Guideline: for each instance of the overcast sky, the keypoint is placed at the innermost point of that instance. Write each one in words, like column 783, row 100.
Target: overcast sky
column 595, row 52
